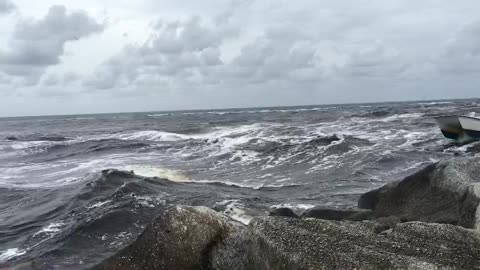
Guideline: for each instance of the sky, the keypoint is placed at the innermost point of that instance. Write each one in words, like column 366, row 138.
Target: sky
column 90, row 56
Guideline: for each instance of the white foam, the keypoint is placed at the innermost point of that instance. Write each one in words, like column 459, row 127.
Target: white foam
column 52, row 228
column 225, row 202
column 253, row 111
column 151, row 171
column 143, row 135
column 402, row 116
column 435, row 103
column 150, row 202
column 293, row 206
column 99, row 204
column 158, row 114
column 332, row 161
column 71, row 171
column 232, row 133
column 239, row 215
column 153, row 135
column 415, row 137
column 8, row 254
column 21, row 145
column 228, row 140
column 234, row 210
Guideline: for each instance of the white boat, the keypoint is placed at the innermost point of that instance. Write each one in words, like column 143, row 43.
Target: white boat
column 460, row 128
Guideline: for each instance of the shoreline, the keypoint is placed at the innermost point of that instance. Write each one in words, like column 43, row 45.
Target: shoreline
column 401, row 225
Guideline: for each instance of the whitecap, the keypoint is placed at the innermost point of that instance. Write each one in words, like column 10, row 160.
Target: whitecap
column 402, row 116
column 153, row 135
column 151, row 171
column 234, row 209
column 147, row 201
column 435, row 103
column 52, row 228
column 158, row 115
column 298, row 206
column 11, row 253
column 259, row 110
column 99, row 204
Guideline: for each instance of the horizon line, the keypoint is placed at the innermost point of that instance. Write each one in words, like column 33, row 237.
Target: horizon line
column 239, row 108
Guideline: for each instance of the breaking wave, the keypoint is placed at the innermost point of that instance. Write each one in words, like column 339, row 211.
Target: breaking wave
column 107, row 211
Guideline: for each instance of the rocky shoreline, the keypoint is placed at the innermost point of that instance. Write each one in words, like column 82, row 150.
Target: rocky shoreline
column 429, row 220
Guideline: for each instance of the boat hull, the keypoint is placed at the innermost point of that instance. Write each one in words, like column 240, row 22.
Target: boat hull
column 459, row 128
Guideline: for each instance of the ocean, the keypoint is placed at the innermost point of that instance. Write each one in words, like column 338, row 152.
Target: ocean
column 76, row 189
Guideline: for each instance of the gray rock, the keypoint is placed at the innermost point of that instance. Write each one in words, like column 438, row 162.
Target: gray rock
column 283, row 212
column 443, row 192
column 288, row 243
column 470, row 209
column 180, row 238
column 337, row 214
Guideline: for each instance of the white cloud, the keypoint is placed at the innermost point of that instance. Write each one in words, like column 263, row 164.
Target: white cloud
column 38, row 44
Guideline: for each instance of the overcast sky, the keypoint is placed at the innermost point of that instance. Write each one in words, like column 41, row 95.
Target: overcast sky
column 88, row 56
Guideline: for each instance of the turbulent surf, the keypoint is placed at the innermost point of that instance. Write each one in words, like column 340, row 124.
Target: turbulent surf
column 76, row 189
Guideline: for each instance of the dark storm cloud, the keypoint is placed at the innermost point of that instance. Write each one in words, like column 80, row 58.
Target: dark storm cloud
column 6, row 6
column 37, row 44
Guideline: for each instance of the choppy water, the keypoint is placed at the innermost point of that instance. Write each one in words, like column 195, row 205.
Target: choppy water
column 61, row 207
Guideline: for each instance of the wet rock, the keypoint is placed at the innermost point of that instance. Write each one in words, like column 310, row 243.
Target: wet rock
column 470, row 210
column 180, row 238
column 385, row 224
column 325, row 140
column 289, row 243
column 444, row 192
column 409, row 224
column 337, row 214
column 283, row 212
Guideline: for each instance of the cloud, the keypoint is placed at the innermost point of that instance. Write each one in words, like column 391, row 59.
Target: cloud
column 375, row 61
column 303, row 47
column 65, row 79
column 461, row 54
column 38, row 44
column 186, row 54
column 6, row 6
column 191, row 55
column 175, row 50
column 277, row 56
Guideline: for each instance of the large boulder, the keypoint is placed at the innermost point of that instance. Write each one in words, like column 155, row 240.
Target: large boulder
column 444, row 192
column 290, row 243
column 180, row 238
